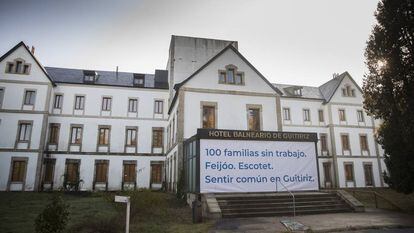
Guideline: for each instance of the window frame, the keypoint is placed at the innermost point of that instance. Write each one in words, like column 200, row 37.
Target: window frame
column 258, row 108
column 127, row 141
column 81, row 104
column 284, row 114
column 2, row 94
column 209, row 105
column 101, row 164
column 324, row 146
column 31, row 99
column 360, row 116
column 106, row 136
column 27, row 135
column 135, row 105
column 368, row 164
column 364, row 143
column 157, row 108
column 77, row 126
column 154, row 139
column 106, row 103
column 56, row 135
column 24, row 69
column 129, row 163
column 348, row 144
column 58, row 102
column 223, row 76
column 159, row 171
column 342, row 114
column 23, row 173
column 306, row 115
column 46, row 163
column 351, row 164
column 321, row 116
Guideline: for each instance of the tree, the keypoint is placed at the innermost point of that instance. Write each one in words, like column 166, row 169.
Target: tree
column 54, row 217
column 389, row 88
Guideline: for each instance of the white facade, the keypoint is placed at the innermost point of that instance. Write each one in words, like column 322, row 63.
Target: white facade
column 194, row 67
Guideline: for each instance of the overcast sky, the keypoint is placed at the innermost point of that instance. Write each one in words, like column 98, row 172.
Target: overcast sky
column 297, row 41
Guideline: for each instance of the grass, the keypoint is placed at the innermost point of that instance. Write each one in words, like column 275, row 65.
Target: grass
column 405, row 202
column 96, row 212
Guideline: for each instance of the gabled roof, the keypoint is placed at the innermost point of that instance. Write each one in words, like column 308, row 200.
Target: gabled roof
column 31, row 54
column 329, row 88
column 230, row 46
column 159, row 80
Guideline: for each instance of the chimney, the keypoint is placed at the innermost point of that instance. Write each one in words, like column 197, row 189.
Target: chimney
column 32, row 50
column 116, row 72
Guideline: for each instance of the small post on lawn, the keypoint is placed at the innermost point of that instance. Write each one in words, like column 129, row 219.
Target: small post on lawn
column 125, row 199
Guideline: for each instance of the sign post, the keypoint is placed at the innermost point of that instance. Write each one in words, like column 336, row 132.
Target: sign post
column 125, row 199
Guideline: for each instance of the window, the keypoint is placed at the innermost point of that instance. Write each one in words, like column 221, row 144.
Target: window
column 231, row 76
column 106, row 103
column 54, row 133
column 72, row 171
column 129, row 172
column 1, row 96
column 327, row 171
column 286, row 114
column 254, row 119
column 10, row 67
column 156, row 173
column 18, row 66
column 132, row 105
column 157, row 137
column 324, row 144
column 364, row 142
column 104, row 136
column 131, row 137
column 158, row 107
column 349, row 172
column 348, row 91
column 76, row 135
column 18, row 170
column 29, row 97
column 79, row 102
column 101, row 171
column 25, row 130
column 360, row 115
column 58, row 101
column 320, row 114
column 222, row 77
column 49, row 170
column 297, row 92
column 342, row 115
column 306, row 115
column 89, row 76
column 345, row 142
column 139, row 80
column 368, row 175
column 238, row 79
column 209, row 117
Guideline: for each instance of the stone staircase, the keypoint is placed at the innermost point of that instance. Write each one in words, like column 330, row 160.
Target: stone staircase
column 279, row 204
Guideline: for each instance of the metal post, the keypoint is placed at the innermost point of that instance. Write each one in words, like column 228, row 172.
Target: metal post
column 127, row 217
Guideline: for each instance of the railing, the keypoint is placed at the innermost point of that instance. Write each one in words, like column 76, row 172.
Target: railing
column 376, row 197
column 293, row 198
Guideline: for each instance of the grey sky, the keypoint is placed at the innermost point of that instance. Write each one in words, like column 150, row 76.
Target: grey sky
column 296, row 41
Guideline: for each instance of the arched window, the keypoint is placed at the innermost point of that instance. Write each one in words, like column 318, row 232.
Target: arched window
column 18, row 66
column 231, row 76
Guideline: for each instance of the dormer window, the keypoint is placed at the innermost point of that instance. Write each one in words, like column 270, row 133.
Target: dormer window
column 231, row 76
column 139, row 80
column 18, row 66
column 89, row 76
column 297, row 92
column 348, row 91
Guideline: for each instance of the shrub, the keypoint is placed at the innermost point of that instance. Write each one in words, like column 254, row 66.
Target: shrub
column 99, row 225
column 54, row 217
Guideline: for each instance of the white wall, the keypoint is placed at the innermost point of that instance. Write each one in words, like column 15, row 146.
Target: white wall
column 5, row 163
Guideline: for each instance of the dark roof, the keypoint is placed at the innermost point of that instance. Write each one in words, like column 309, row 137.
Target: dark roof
column 307, row 91
column 31, row 54
column 159, row 80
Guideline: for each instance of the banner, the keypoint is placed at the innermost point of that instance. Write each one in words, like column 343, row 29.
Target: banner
column 257, row 166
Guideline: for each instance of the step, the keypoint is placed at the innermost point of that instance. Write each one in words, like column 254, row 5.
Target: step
column 264, row 196
column 224, row 204
column 298, row 208
column 279, row 213
column 260, row 200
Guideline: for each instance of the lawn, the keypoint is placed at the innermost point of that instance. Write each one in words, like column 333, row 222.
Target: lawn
column 96, row 212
